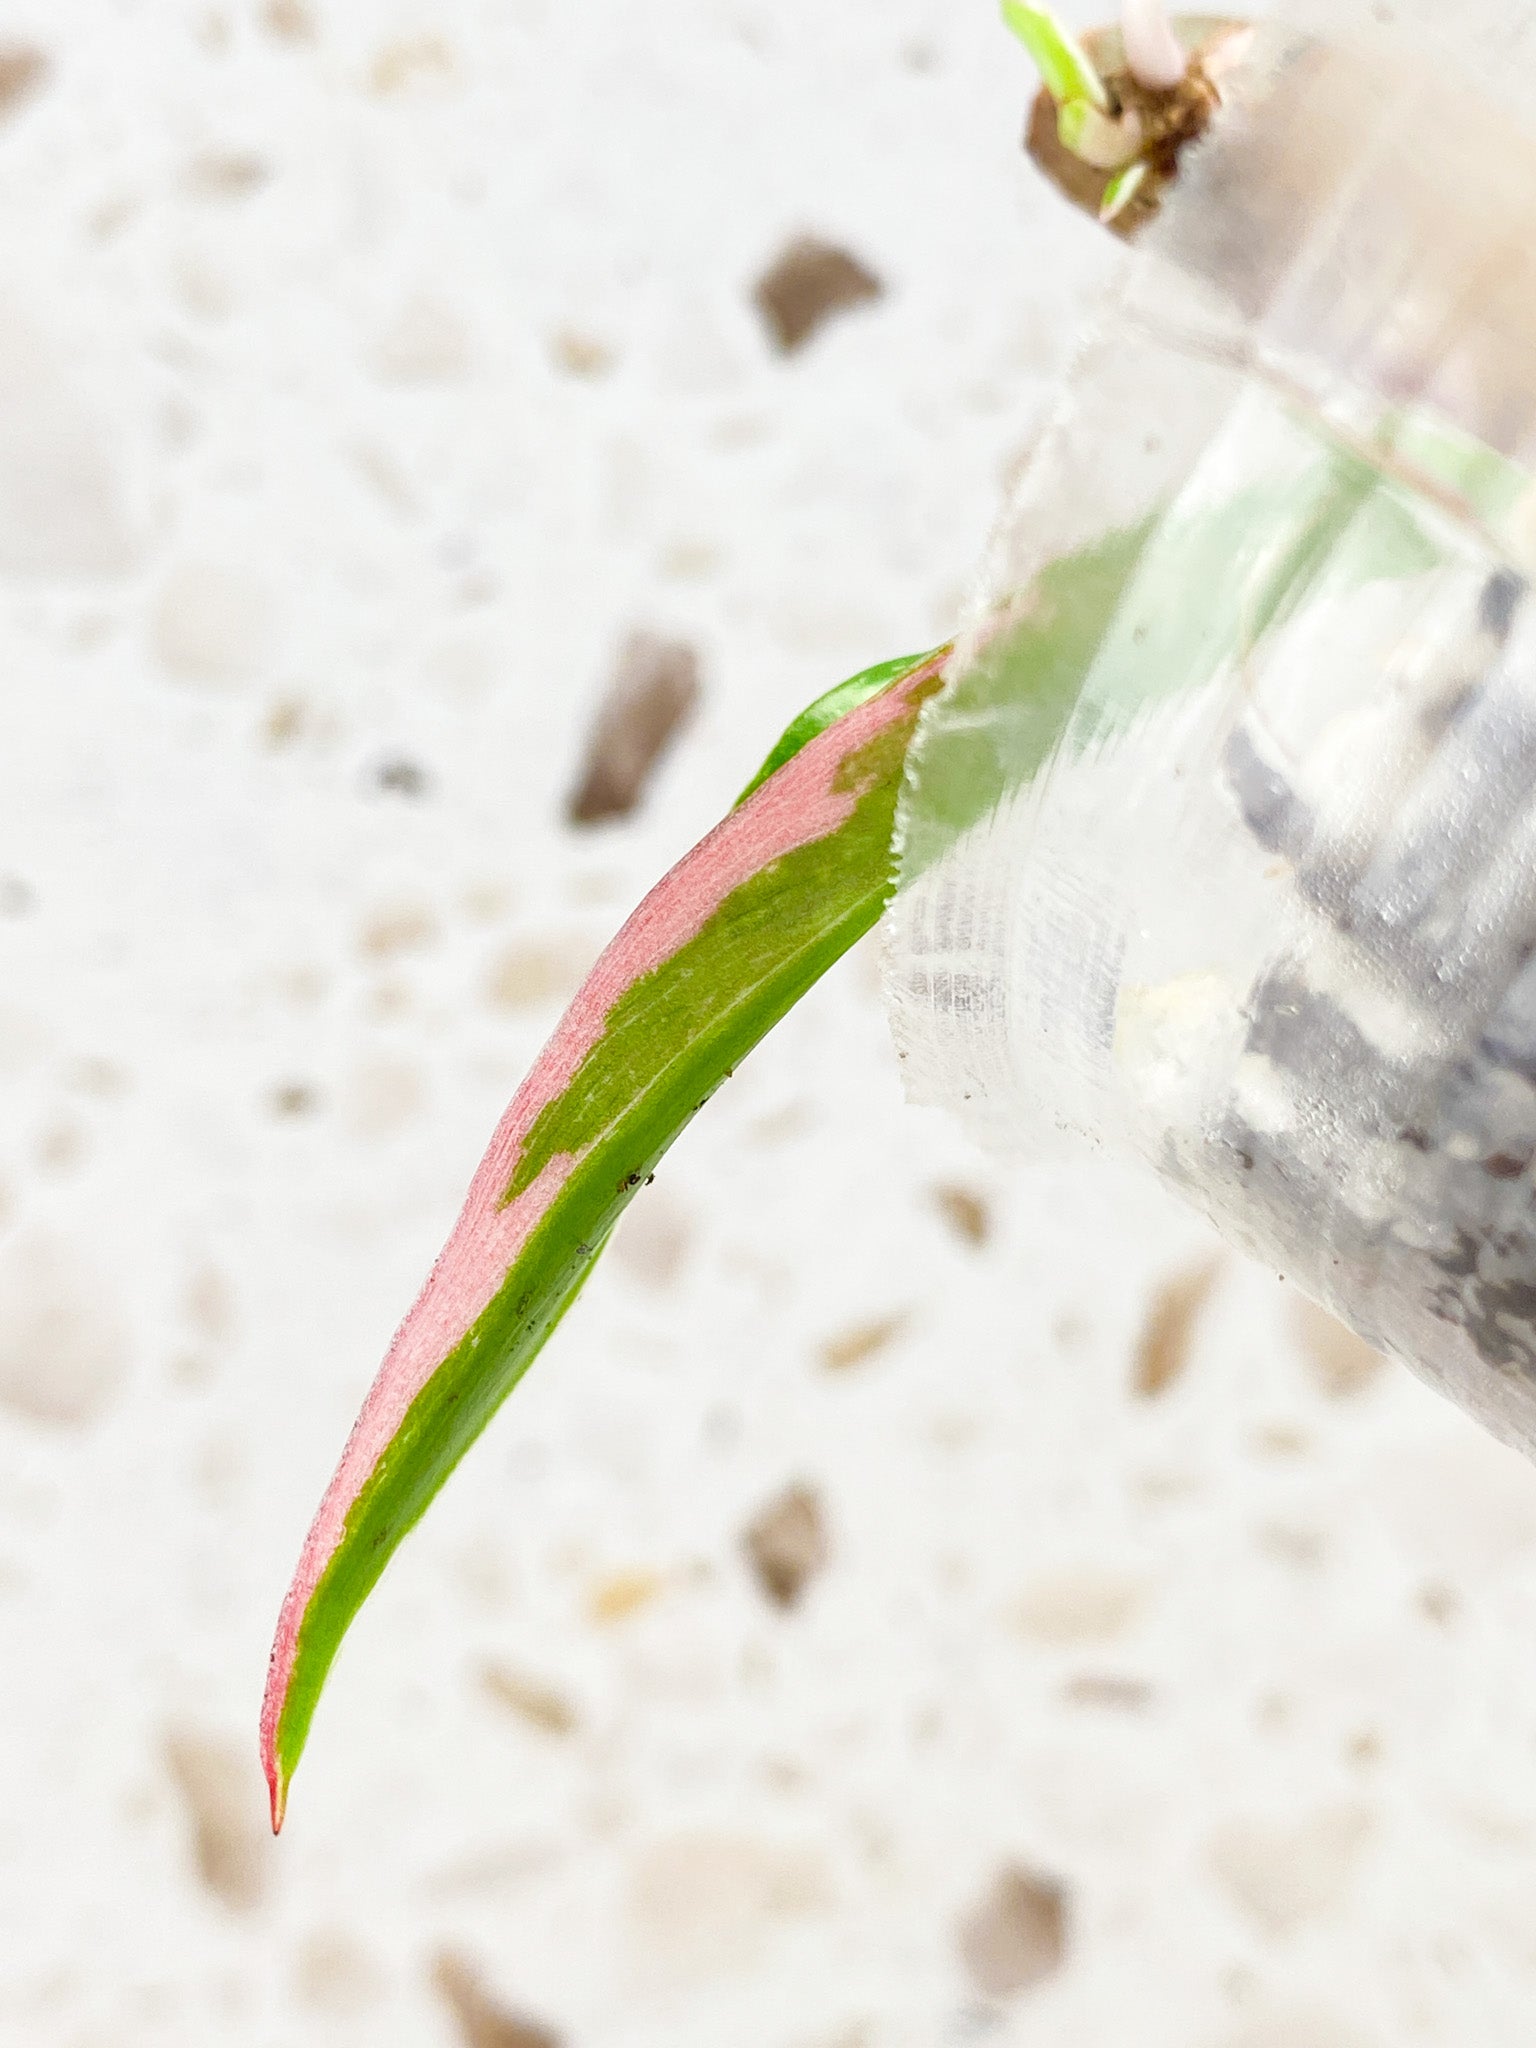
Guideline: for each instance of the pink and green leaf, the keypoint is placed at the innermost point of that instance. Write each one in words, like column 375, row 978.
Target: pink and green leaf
column 718, row 952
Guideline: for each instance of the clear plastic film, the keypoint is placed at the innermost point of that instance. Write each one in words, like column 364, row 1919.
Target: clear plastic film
column 1219, row 847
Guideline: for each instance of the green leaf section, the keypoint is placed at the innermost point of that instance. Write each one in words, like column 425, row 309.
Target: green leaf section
column 667, row 1045
column 1006, row 710
column 827, row 710
column 1147, row 611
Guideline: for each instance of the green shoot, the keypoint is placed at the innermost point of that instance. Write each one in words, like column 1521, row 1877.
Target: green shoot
column 1122, row 189
column 1065, row 68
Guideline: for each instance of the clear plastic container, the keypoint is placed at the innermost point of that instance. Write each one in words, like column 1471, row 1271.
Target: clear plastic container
column 1220, row 845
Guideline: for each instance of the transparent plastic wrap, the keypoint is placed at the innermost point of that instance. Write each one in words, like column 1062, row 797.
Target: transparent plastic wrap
column 1220, row 845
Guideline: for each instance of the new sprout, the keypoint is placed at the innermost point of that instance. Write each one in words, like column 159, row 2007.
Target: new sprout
column 1122, row 189
column 1065, row 68
column 1154, row 56
column 1093, row 125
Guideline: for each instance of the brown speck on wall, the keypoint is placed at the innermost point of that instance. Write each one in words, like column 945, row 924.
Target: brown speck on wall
column 1108, row 1690
column 212, row 624
column 1167, row 1334
column 1015, row 1936
column 425, row 343
column 334, row 1974
column 966, row 1214
column 1070, row 1606
column 862, row 1342
column 221, row 1789
column 808, row 285
column 291, row 21
column 1341, row 1364
column 382, row 1095
column 787, row 1545
column 706, row 1903
column 293, row 1098
column 285, row 722
column 623, row 1593
column 208, row 1303
column 225, row 174
column 411, row 65
column 396, row 928
column 652, row 1240
column 579, row 354
column 63, row 1347
column 531, row 973
column 654, row 691
column 1439, row 1604
column 482, row 2022
column 400, row 777
column 23, row 71
column 530, row 1699
column 1285, row 1873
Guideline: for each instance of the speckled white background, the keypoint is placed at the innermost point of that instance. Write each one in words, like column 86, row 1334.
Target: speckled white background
column 297, row 482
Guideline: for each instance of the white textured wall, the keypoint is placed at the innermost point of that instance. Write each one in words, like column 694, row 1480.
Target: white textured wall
column 297, row 481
